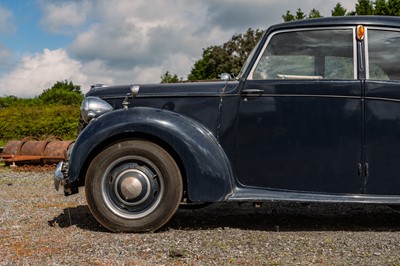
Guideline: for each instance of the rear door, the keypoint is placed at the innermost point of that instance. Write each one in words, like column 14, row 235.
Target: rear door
column 299, row 125
column 382, row 111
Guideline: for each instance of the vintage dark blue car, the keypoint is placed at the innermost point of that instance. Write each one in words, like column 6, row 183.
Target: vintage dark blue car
column 314, row 116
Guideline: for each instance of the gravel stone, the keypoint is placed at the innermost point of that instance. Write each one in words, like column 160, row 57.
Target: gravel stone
column 40, row 226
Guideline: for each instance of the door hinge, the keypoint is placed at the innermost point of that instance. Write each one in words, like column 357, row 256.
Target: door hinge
column 363, row 169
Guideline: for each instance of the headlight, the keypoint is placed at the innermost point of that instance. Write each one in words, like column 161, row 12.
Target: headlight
column 93, row 107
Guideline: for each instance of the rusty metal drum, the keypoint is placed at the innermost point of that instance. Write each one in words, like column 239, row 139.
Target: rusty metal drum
column 51, row 150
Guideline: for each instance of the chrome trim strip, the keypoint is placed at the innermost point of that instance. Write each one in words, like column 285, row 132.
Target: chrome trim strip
column 112, row 97
column 303, row 95
column 382, row 99
column 355, row 56
column 366, row 53
column 180, row 95
column 258, row 194
column 163, row 95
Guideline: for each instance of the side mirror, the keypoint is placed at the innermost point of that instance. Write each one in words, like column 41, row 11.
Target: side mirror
column 225, row 76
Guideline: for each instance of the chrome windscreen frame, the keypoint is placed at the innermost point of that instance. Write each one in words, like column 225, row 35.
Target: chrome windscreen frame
column 353, row 28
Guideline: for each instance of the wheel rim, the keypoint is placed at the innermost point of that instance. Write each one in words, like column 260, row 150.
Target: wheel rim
column 132, row 187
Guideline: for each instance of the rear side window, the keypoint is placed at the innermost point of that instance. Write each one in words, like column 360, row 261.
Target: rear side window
column 311, row 54
column 383, row 54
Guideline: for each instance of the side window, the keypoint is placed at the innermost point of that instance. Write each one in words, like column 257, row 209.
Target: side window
column 383, row 54
column 311, row 54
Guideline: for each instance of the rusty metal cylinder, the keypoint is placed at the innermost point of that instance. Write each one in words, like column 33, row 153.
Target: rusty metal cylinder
column 11, row 147
column 47, row 150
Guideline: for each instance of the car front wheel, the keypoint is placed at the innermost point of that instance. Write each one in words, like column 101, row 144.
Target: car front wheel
column 133, row 186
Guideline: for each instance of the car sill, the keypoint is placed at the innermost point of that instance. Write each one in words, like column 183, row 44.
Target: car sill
column 261, row 195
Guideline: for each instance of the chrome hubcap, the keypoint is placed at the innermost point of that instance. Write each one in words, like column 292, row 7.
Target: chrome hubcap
column 132, row 187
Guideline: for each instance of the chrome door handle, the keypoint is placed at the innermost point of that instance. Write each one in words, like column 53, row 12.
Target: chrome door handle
column 254, row 92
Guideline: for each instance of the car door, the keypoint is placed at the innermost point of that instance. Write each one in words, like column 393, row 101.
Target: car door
column 299, row 125
column 382, row 111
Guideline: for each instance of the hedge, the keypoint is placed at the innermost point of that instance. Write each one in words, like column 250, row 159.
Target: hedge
column 17, row 122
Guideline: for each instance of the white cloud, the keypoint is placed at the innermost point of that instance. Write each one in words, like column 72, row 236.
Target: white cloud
column 64, row 16
column 7, row 20
column 40, row 71
column 143, row 36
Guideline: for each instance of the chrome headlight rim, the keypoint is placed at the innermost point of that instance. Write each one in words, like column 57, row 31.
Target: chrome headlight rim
column 93, row 107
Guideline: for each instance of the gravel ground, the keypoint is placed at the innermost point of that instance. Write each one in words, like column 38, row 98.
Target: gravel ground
column 40, row 226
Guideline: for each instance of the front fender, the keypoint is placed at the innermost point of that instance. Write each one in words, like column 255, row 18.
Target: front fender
column 208, row 170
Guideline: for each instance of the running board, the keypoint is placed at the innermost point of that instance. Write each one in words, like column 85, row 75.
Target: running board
column 262, row 195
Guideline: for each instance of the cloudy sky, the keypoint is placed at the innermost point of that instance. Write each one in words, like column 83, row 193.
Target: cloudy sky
column 122, row 41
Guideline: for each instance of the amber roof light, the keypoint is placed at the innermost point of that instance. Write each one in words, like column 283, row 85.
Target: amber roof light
column 360, row 32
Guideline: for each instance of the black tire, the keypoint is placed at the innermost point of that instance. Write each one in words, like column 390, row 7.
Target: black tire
column 133, row 186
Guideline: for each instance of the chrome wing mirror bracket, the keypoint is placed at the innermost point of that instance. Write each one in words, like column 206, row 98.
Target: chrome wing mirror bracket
column 134, row 91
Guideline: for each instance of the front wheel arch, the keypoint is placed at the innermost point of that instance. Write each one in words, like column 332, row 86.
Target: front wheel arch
column 200, row 156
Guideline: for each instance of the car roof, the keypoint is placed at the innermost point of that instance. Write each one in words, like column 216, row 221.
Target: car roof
column 387, row 21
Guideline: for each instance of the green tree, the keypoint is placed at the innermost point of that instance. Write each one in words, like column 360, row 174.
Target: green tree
column 338, row 10
column 394, row 7
column 202, row 69
column 300, row 14
column 381, row 8
column 226, row 58
column 8, row 101
column 387, row 7
column 62, row 92
column 314, row 14
column 364, row 7
column 288, row 16
column 167, row 77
